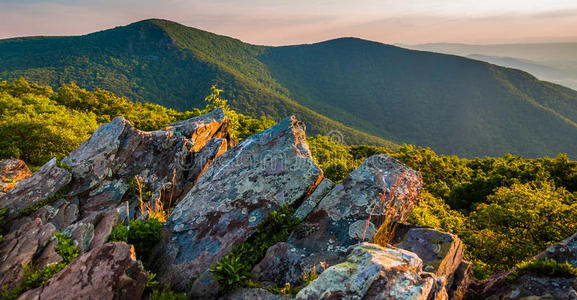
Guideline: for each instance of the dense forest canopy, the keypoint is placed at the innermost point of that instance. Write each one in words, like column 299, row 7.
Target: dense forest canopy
column 505, row 209
column 372, row 93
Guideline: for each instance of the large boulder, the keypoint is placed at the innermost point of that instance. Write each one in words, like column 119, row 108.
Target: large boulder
column 20, row 247
column 373, row 272
column 110, row 271
column 12, row 171
column 236, row 192
column 106, row 164
column 44, row 183
column 350, row 213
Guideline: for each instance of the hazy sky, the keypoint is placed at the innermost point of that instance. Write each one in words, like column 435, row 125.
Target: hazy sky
column 282, row 22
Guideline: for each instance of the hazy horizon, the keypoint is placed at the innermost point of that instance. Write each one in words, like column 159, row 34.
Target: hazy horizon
column 293, row 22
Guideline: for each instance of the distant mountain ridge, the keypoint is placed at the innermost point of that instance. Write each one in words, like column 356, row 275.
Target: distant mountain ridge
column 370, row 92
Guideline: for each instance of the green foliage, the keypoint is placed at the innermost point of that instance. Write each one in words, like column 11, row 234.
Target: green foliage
column 143, row 235
column 166, row 294
column 543, row 267
column 3, row 221
column 234, row 269
column 61, row 193
column 119, row 234
column 37, row 123
column 66, row 248
column 230, row 272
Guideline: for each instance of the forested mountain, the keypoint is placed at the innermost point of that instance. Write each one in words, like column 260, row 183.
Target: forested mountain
column 371, row 92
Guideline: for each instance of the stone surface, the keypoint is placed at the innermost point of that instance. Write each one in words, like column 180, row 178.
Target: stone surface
column 350, row 213
column 19, row 247
column 163, row 160
column 254, row 293
column 287, row 267
column 42, row 184
column 237, row 191
column 440, row 252
column 372, row 272
column 110, row 271
column 104, row 228
column 313, row 200
column 462, row 278
column 12, row 171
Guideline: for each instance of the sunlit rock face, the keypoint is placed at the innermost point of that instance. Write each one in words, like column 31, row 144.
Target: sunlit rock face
column 237, row 191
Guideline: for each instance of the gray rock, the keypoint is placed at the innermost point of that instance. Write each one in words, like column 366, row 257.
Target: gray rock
column 48, row 180
column 287, row 266
column 110, row 271
column 440, row 252
column 462, row 278
column 313, row 200
column 104, row 228
column 254, row 294
column 237, row 191
column 372, row 272
column 20, row 247
column 164, row 160
column 350, row 213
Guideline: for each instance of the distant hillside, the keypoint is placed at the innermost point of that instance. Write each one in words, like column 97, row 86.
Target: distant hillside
column 555, row 62
column 371, row 92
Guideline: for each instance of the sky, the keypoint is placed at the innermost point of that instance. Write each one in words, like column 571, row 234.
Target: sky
column 285, row 22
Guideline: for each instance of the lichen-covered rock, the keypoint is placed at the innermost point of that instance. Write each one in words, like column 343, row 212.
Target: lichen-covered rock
column 237, row 191
column 110, row 271
column 20, row 247
column 372, row 272
column 313, row 200
column 11, row 171
column 105, row 165
column 350, row 213
column 48, row 180
column 286, row 262
column 440, row 252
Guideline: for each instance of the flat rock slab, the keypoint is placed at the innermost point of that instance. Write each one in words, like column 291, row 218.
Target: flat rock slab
column 237, row 191
column 372, row 272
column 110, row 271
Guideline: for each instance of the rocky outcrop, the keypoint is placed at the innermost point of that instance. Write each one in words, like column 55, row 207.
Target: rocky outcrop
column 110, row 271
column 254, row 293
column 532, row 285
column 165, row 161
column 237, row 191
column 12, row 171
column 350, row 213
column 44, row 183
column 441, row 253
column 373, row 272
column 20, row 247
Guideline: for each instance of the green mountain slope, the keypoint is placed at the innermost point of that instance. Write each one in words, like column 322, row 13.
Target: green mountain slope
column 370, row 92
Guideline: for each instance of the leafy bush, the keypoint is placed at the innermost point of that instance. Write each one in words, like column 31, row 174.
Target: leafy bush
column 166, row 294
column 66, row 248
column 543, row 267
column 143, row 235
column 234, row 269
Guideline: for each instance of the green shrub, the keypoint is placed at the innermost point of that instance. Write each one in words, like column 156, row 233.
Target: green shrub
column 234, row 269
column 543, row 267
column 142, row 235
column 166, row 294
column 66, row 248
